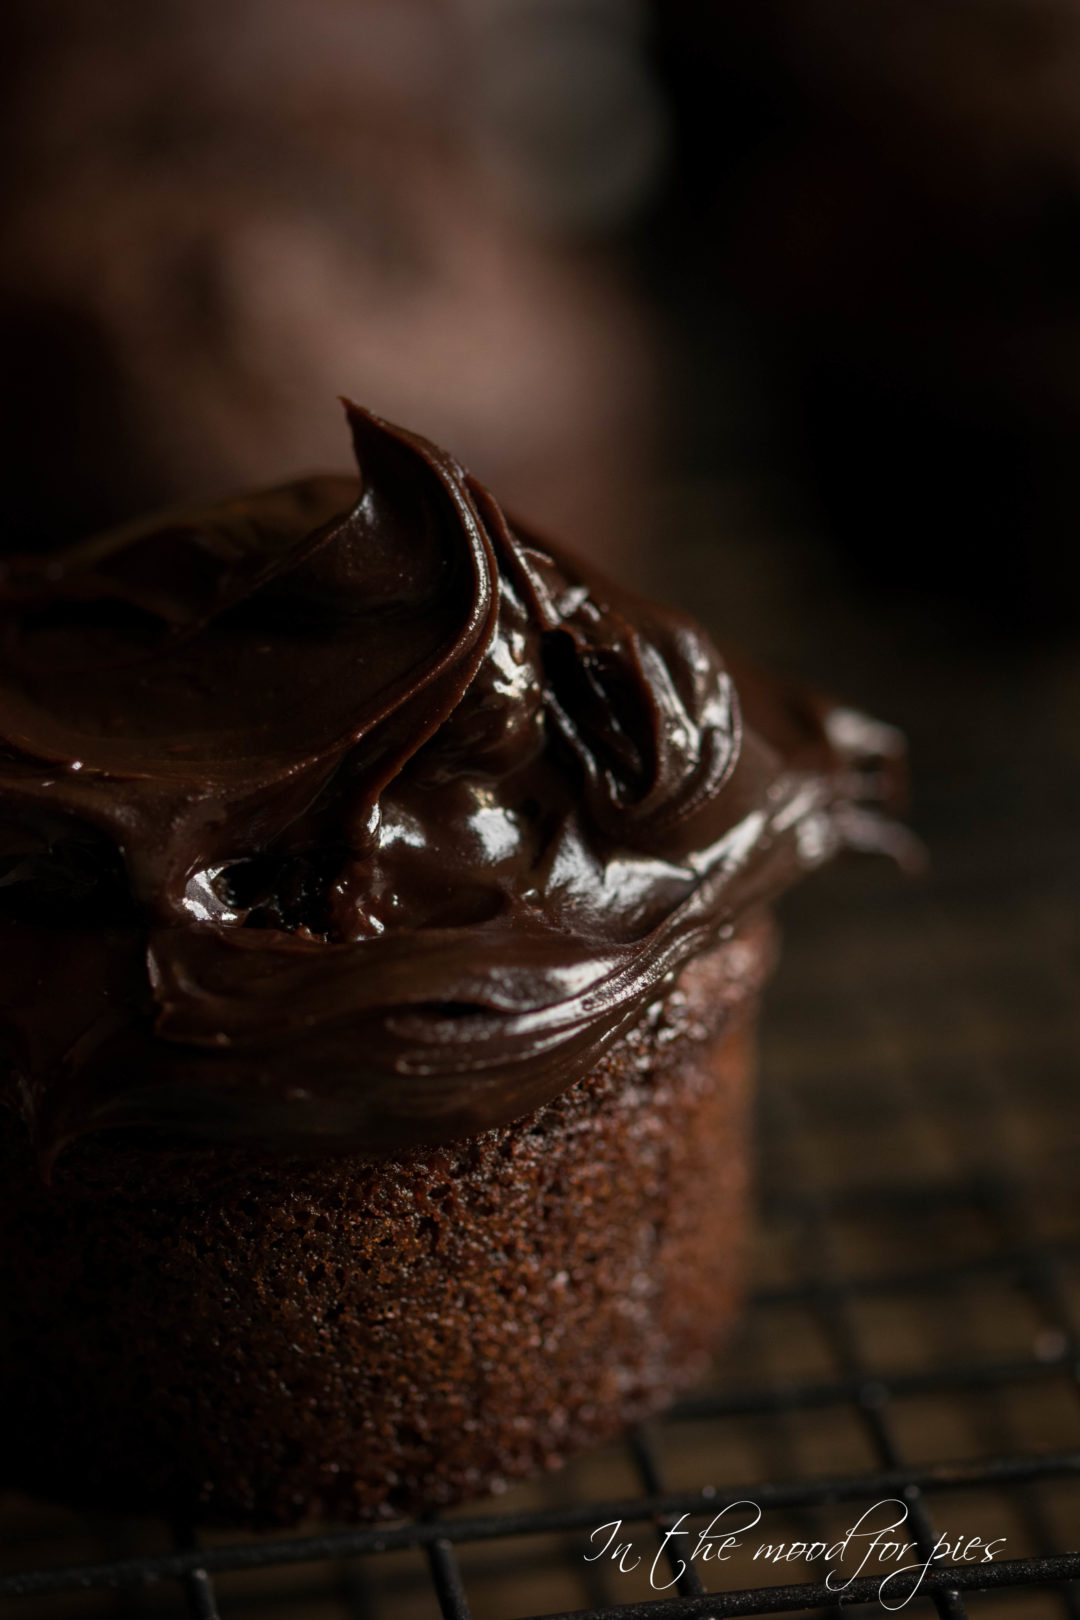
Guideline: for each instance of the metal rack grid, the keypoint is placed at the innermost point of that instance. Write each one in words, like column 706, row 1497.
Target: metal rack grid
column 913, row 1324
column 912, row 1336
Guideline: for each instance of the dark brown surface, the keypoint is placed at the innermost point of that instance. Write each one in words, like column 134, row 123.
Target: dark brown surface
column 258, row 1340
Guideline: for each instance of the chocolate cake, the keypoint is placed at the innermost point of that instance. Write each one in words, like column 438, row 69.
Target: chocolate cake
column 383, row 914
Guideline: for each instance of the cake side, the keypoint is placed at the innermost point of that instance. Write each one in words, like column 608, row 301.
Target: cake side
column 220, row 1334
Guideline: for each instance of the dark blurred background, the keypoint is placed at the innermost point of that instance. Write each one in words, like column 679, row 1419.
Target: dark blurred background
column 882, row 206
column 828, row 250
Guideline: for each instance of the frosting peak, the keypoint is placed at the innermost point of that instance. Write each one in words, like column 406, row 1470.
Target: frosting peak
column 348, row 815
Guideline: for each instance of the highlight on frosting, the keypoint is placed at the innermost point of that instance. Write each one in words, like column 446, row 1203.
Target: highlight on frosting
column 348, row 815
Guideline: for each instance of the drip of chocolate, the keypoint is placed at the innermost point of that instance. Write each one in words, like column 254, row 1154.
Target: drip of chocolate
column 347, row 816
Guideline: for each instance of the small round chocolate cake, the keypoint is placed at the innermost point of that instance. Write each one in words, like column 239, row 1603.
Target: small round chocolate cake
column 383, row 915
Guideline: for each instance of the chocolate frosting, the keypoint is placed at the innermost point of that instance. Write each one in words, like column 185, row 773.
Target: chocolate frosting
column 348, row 816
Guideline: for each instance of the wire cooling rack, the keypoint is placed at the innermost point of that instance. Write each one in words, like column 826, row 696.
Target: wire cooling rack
column 911, row 1338
column 911, row 1334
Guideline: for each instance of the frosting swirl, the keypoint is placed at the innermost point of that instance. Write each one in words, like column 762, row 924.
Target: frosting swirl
column 348, row 816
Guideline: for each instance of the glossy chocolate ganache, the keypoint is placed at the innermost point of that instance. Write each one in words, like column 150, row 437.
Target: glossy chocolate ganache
column 346, row 815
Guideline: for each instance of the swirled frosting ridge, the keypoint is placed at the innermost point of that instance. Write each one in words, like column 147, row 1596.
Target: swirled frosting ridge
column 347, row 815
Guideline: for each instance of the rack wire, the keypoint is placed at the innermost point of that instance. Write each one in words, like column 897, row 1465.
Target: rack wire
column 912, row 1337
column 912, row 1327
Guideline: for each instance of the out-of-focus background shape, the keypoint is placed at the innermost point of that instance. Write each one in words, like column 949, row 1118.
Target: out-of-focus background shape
column 221, row 214
column 832, row 247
